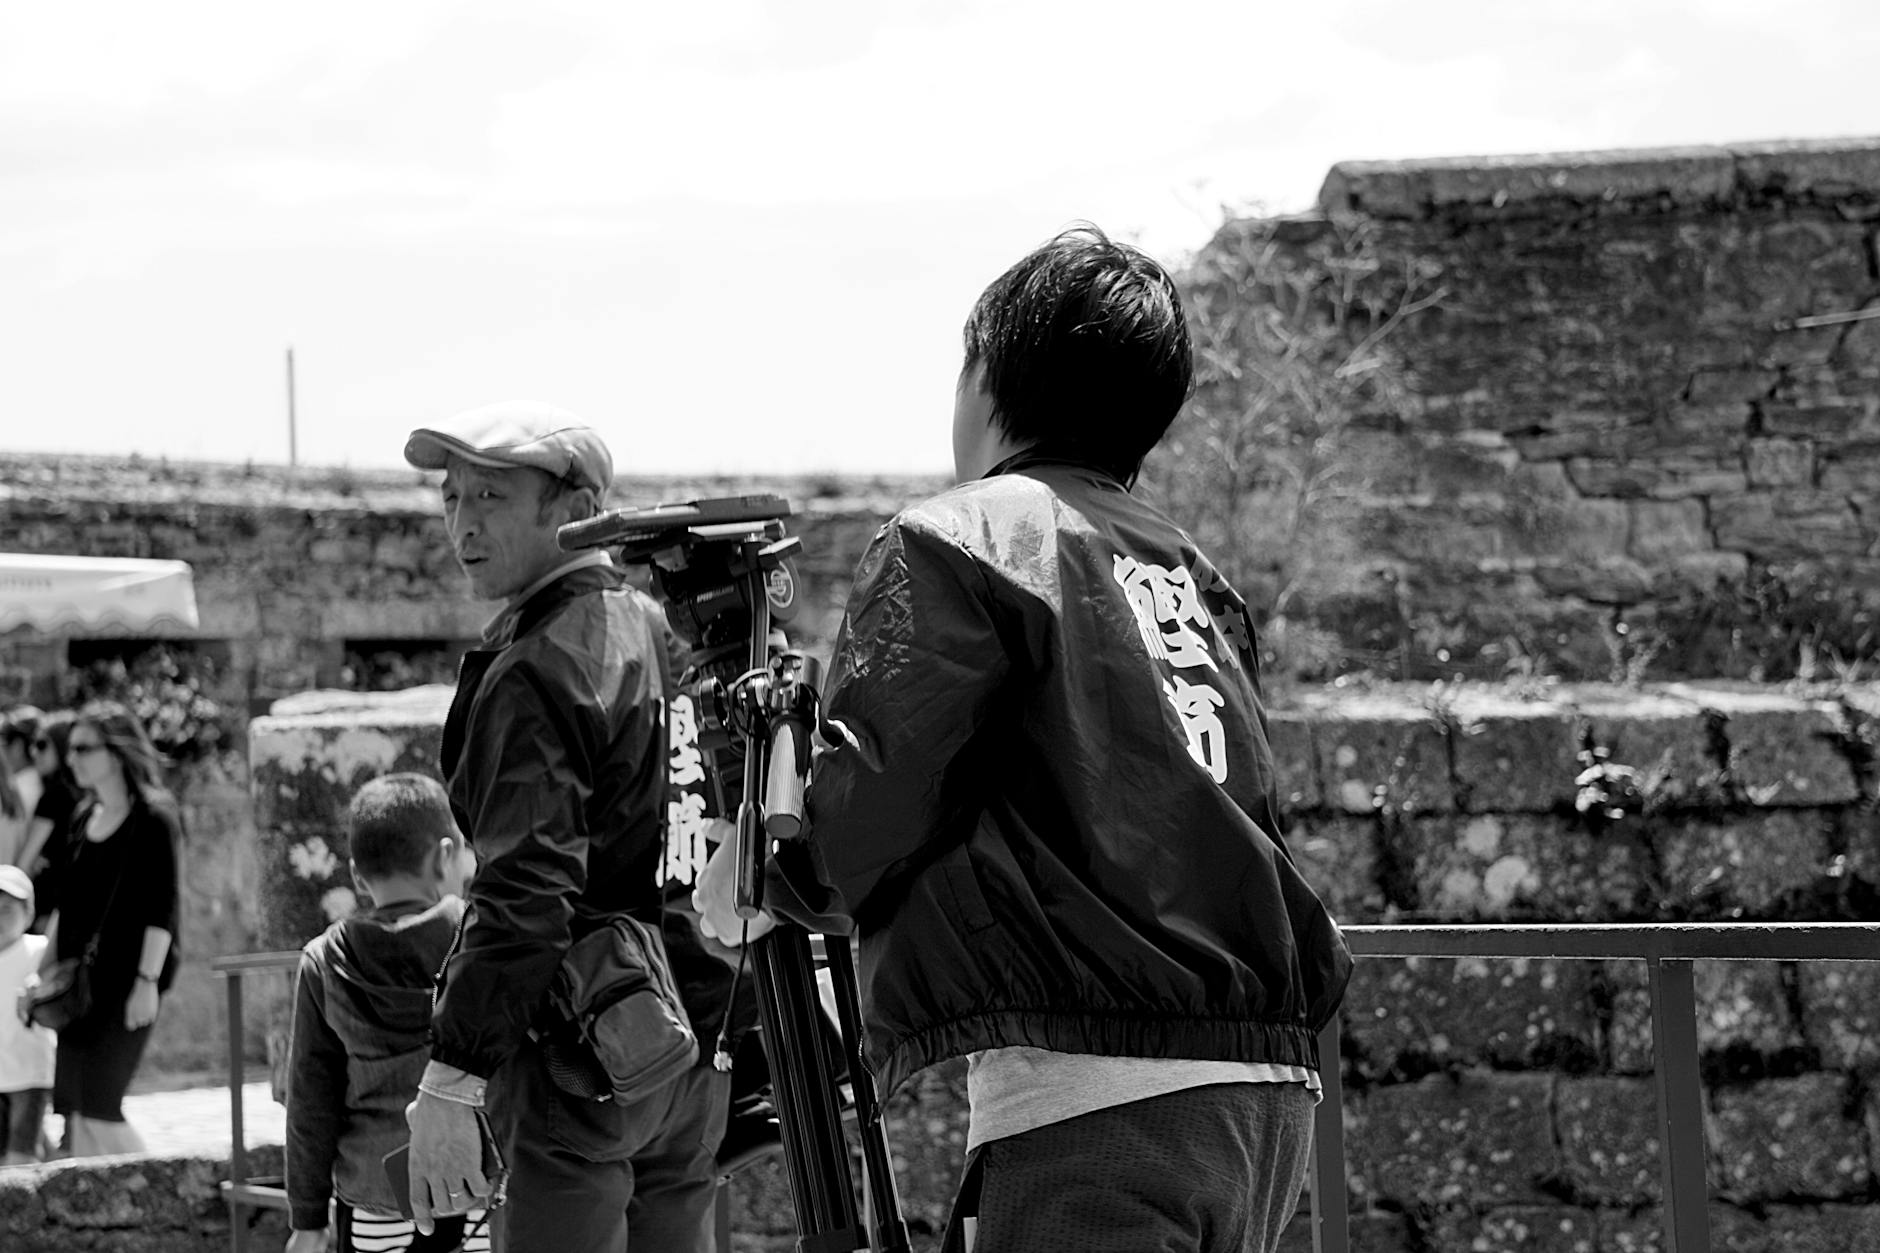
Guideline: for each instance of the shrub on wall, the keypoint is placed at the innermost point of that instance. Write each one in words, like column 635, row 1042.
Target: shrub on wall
column 1294, row 355
column 1794, row 620
column 167, row 687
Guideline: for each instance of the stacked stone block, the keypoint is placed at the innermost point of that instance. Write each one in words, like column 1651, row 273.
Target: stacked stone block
column 1640, row 426
column 1497, row 1104
column 1489, row 1104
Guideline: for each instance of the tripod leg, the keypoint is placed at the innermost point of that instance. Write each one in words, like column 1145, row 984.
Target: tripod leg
column 815, row 1151
column 882, row 1198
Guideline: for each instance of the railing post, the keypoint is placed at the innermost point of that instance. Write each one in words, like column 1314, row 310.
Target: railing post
column 1680, row 1106
column 238, row 1141
column 1331, row 1224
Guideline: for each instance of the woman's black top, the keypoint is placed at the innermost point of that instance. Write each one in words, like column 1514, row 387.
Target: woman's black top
column 116, row 887
column 57, row 803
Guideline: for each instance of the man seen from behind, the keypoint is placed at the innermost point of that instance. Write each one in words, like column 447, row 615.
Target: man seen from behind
column 1052, row 822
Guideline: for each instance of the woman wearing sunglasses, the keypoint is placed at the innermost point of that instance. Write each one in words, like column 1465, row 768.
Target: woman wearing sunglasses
column 120, row 885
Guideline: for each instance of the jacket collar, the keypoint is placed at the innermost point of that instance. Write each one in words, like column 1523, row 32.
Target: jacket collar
column 1035, row 456
column 529, row 606
column 520, row 616
column 589, row 571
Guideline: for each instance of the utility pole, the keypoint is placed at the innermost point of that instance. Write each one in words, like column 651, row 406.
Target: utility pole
column 293, row 435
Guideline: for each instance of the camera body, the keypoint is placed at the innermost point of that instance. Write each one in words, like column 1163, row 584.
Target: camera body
column 702, row 556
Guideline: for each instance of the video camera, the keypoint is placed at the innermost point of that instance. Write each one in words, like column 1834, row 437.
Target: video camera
column 723, row 568
column 708, row 560
column 699, row 556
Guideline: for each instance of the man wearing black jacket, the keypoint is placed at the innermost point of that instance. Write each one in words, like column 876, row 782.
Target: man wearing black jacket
column 1051, row 822
column 556, row 755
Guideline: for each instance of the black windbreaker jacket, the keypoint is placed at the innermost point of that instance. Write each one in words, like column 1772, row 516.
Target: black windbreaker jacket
column 1053, row 820
column 556, row 753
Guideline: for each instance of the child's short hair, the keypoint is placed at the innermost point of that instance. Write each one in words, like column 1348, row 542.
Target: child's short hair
column 1085, row 349
column 395, row 822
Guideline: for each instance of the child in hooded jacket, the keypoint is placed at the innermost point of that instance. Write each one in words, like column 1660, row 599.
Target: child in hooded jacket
column 362, row 1010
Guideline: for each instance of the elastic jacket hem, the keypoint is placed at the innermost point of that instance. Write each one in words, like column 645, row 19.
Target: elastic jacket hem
column 1107, row 1035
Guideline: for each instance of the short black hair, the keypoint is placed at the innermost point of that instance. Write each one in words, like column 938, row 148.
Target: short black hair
column 395, row 822
column 1086, row 351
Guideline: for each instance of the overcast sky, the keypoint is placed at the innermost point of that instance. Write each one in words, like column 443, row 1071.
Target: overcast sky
column 738, row 237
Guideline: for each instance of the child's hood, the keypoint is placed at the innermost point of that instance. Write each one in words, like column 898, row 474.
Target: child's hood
column 385, row 962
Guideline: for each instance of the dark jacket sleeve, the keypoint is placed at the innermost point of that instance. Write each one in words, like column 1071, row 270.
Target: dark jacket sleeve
column 917, row 668
column 316, row 1100
column 530, row 771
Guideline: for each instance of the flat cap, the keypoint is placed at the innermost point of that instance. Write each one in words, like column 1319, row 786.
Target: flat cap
column 517, row 433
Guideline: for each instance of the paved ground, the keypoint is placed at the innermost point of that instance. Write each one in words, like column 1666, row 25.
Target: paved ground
column 194, row 1121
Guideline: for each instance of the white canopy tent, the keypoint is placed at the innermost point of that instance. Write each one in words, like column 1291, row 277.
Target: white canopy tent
column 96, row 596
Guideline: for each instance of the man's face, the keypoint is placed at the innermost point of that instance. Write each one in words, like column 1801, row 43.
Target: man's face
column 502, row 537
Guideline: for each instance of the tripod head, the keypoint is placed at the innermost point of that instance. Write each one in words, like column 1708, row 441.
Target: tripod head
column 702, row 554
column 724, row 569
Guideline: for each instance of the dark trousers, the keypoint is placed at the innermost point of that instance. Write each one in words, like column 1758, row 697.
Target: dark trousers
column 1206, row 1170
column 600, row 1177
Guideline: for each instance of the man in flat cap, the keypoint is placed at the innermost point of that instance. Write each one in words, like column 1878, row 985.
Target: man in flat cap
column 556, row 756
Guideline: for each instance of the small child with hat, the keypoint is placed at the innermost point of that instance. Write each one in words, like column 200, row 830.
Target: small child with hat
column 26, row 1051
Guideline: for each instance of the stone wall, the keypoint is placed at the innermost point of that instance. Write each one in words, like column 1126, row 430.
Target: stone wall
column 1484, row 1098
column 295, row 573
column 1509, row 1104
column 131, row 1205
column 292, row 567
column 1634, row 425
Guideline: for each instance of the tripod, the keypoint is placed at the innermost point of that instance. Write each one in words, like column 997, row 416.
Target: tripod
column 723, row 563
column 778, row 714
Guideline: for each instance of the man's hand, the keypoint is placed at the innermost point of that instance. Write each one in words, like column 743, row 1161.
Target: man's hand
column 307, row 1241
column 446, row 1159
column 714, row 896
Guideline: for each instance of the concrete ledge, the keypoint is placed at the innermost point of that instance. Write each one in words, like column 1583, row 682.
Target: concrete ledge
column 78, row 484
column 1835, row 168
column 128, row 1205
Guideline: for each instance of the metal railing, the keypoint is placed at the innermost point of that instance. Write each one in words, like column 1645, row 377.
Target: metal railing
column 1667, row 949
column 240, row 1191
